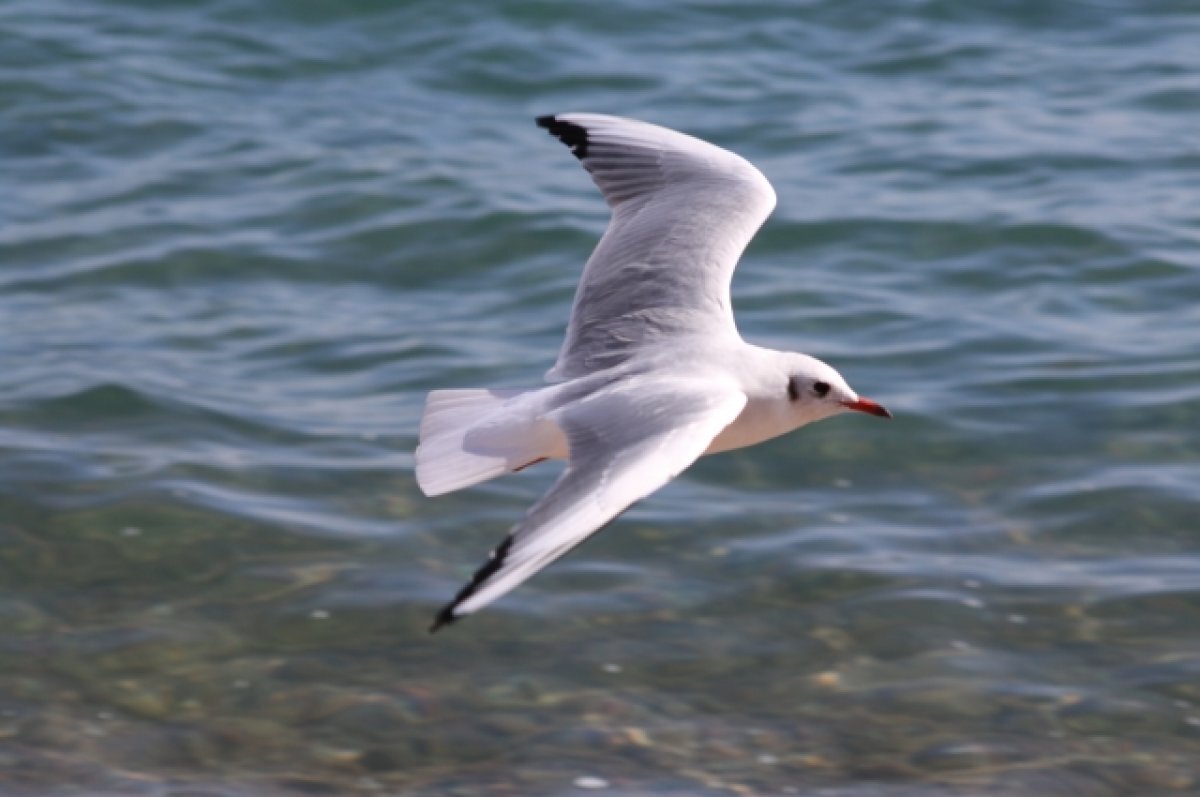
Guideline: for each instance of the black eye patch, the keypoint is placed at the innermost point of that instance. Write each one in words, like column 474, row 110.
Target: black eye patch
column 821, row 388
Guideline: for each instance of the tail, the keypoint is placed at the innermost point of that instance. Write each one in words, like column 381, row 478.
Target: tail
column 472, row 435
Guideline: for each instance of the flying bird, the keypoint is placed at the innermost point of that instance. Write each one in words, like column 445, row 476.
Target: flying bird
column 652, row 374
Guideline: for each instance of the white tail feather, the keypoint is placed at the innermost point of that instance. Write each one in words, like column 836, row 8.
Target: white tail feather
column 498, row 443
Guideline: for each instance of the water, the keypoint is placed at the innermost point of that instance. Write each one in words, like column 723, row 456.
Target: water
column 239, row 241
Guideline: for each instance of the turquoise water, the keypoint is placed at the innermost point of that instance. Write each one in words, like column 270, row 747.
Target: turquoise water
column 240, row 240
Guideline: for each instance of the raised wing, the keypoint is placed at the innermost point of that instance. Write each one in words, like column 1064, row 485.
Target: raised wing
column 683, row 212
column 625, row 442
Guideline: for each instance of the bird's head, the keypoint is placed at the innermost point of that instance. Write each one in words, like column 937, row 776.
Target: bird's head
column 815, row 390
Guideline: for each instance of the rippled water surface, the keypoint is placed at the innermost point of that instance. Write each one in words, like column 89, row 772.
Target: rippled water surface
column 240, row 240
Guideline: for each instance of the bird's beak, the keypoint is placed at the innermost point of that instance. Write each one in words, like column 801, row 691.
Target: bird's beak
column 867, row 406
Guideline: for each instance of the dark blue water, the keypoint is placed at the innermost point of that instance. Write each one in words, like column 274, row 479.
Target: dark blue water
column 240, row 240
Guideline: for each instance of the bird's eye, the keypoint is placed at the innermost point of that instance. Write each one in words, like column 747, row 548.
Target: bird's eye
column 821, row 389
column 793, row 390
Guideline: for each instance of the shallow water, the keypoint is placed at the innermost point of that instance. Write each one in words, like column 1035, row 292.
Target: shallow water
column 240, row 240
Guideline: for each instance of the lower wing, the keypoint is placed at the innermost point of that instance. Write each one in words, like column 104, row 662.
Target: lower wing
column 625, row 441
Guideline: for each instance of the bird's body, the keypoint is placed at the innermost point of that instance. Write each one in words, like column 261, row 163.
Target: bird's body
column 653, row 373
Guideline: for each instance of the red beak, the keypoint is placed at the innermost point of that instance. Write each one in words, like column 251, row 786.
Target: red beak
column 867, row 406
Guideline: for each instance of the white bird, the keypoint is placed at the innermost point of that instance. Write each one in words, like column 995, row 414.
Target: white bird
column 653, row 373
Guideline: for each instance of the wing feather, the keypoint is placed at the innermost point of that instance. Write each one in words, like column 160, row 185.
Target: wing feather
column 625, row 442
column 683, row 212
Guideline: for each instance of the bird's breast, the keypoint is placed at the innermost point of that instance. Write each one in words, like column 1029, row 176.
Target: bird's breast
column 758, row 422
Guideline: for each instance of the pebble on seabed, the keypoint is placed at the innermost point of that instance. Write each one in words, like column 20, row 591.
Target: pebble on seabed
column 828, row 679
column 590, row 782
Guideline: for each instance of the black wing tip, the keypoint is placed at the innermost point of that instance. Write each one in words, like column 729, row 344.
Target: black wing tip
column 495, row 560
column 444, row 617
column 573, row 135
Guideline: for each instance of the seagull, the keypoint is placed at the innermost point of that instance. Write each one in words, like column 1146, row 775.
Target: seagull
column 652, row 374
